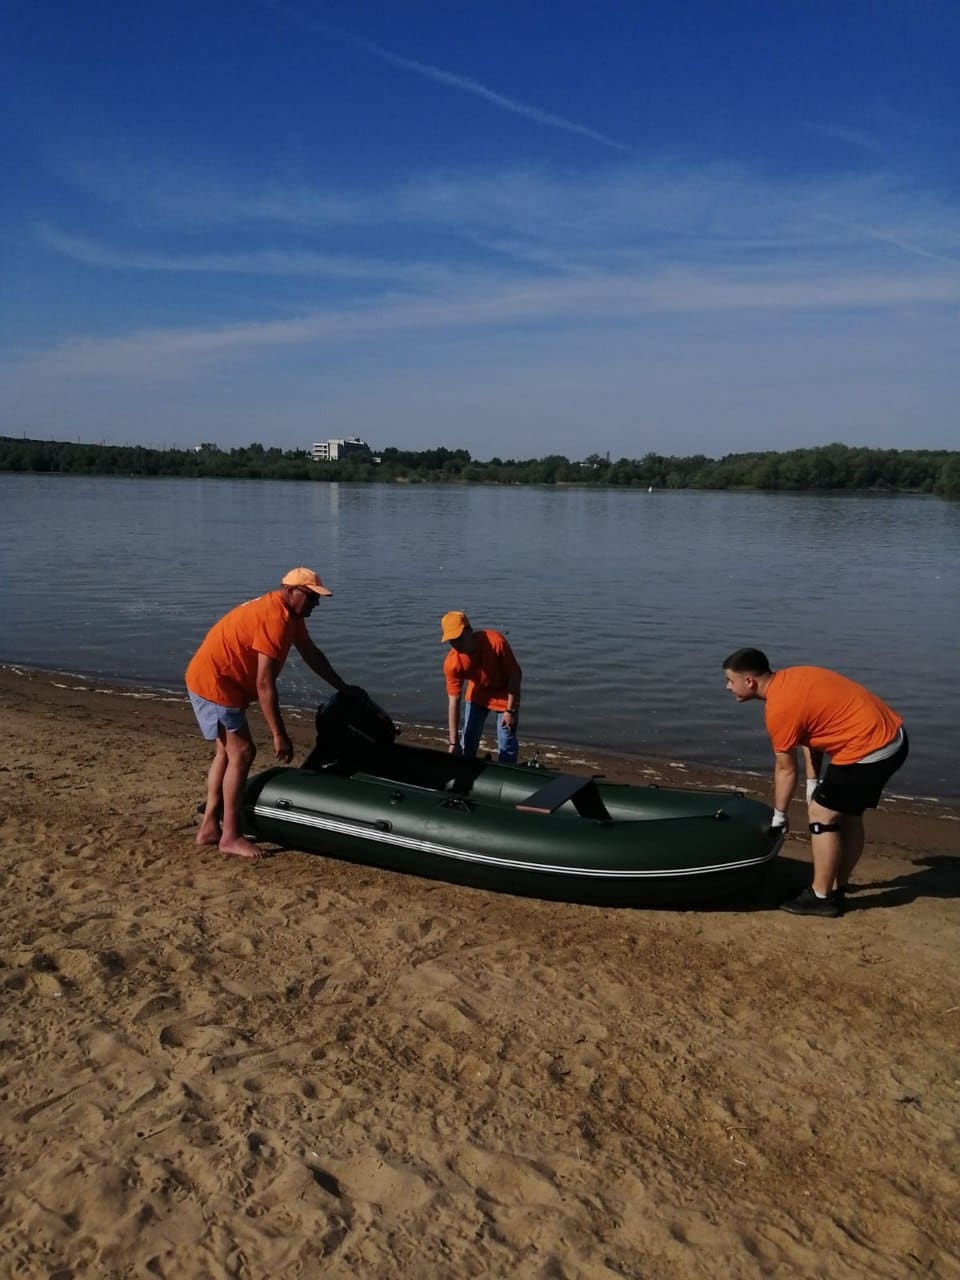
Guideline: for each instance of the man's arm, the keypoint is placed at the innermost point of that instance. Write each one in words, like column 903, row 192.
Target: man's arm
column 513, row 692
column 512, row 670
column 453, row 722
column 267, row 671
column 784, row 779
column 317, row 661
column 513, row 698
column 812, row 760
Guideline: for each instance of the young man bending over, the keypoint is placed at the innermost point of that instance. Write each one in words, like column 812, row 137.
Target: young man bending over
column 834, row 717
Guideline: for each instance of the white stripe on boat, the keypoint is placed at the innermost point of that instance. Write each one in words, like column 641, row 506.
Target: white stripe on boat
column 367, row 832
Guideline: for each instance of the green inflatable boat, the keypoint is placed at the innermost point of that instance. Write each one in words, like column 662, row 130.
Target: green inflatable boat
column 519, row 829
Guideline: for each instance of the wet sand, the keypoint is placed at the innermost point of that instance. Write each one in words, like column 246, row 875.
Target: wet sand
column 302, row 1067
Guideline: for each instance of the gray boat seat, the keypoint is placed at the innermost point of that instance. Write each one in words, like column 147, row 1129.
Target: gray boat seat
column 566, row 786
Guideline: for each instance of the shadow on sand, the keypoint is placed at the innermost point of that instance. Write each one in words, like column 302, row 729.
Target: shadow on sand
column 937, row 875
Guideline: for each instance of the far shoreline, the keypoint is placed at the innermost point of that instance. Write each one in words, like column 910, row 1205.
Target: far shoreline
column 418, row 482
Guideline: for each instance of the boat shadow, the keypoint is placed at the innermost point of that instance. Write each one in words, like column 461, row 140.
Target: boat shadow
column 937, row 875
column 780, row 879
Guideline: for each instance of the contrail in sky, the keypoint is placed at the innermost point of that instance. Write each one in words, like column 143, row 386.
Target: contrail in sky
column 453, row 81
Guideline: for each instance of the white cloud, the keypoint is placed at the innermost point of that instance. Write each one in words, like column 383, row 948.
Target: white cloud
column 261, row 262
column 713, row 389
column 578, row 303
column 520, row 296
column 689, row 214
column 855, row 137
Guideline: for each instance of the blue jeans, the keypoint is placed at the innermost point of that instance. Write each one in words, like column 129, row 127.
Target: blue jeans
column 508, row 747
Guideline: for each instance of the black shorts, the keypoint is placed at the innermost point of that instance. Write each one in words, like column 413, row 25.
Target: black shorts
column 851, row 788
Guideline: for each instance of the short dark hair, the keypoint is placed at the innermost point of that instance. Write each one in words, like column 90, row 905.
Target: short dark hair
column 748, row 662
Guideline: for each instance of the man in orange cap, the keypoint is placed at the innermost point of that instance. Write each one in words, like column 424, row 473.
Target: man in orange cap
column 238, row 663
column 481, row 668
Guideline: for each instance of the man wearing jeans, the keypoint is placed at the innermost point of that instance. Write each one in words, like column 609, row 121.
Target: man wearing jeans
column 837, row 718
column 481, row 669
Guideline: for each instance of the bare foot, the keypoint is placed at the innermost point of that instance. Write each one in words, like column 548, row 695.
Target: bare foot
column 209, row 832
column 240, row 848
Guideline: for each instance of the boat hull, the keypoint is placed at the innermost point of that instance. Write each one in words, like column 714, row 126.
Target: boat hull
column 429, row 814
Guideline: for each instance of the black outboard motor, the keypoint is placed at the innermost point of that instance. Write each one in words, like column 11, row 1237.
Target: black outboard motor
column 350, row 727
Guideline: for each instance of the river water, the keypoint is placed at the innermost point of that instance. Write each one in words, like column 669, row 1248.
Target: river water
column 620, row 605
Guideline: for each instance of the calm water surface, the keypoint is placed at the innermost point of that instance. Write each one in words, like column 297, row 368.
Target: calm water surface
column 620, row 605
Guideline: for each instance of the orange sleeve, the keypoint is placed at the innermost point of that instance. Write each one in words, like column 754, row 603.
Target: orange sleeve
column 784, row 728
column 452, row 674
column 508, row 662
column 271, row 633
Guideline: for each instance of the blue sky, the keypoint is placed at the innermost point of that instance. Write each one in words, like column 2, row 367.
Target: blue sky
column 517, row 228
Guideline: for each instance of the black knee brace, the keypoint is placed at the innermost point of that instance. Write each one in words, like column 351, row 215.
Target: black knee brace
column 818, row 828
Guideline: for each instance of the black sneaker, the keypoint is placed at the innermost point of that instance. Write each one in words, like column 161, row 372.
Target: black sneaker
column 808, row 904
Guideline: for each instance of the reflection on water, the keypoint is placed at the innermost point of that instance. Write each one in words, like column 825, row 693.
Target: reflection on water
column 620, row 605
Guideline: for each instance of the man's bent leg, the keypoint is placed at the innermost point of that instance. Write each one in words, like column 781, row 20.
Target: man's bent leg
column 852, row 836
column 827, row 848
column 210, row 832
column 473, row 720
column 240, row 752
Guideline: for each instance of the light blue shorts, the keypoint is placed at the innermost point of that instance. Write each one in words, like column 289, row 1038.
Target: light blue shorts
column 210, row 715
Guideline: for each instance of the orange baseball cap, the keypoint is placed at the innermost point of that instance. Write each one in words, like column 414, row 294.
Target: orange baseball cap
column 453, row 624
column 307, row 579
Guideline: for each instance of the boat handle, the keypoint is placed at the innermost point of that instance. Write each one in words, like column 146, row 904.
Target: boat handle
column 378, row 824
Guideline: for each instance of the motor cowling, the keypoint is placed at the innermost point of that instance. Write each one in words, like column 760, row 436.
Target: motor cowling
column 349, row 724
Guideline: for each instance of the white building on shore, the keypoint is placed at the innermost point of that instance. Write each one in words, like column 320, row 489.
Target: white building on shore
column 334, row 450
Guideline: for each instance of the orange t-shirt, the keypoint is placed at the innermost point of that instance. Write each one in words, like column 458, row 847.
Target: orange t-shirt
column 224, row 668
column 814, row 707
column 486, row 671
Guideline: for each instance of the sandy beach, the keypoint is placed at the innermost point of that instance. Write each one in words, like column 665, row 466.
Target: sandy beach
column 300, row 1067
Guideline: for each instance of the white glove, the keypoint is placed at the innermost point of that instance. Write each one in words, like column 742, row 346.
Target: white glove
column 811, row 788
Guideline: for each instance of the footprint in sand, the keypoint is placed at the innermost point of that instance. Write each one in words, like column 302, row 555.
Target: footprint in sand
column 505, row 1179
column 157, row 1004
column 446, row 1018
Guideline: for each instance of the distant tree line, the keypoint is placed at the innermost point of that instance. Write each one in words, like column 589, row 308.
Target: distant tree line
column 831, row 467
